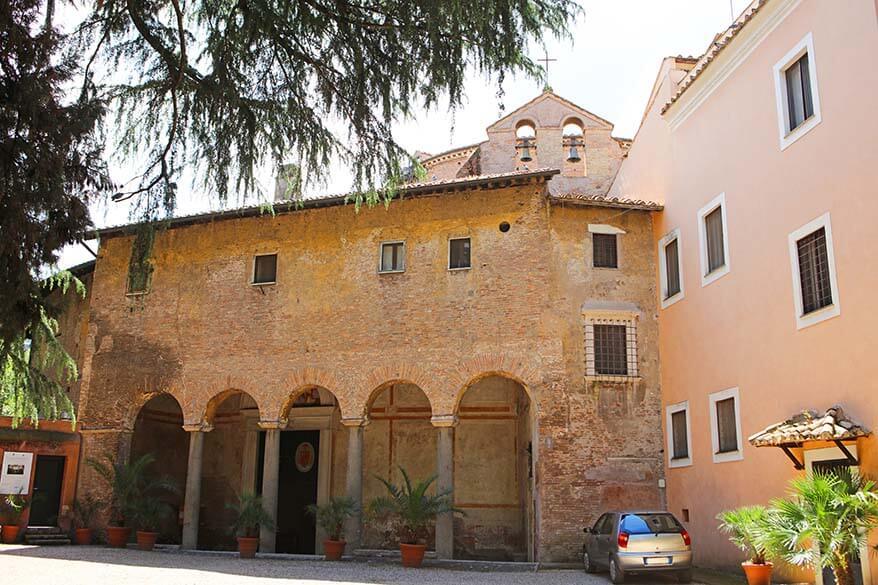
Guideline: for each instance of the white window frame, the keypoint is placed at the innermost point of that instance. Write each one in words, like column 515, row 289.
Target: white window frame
column 718, row 202
column 253, row 269
column 667, row 301
column 449, row 253
column 670, row 410
column 787, row 137
column 829, row 311
column 714, row 426
column 381, row 255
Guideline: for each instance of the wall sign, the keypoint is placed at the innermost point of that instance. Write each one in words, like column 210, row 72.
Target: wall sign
column 15, row 474
column 305, row 457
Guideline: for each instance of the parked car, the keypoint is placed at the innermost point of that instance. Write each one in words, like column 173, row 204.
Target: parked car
column 628, row 543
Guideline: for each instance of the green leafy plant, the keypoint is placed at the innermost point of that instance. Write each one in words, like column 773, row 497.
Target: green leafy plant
column 824, row 522
column 249, row 515
column 745, row 527
column 148, row 513
column 410, row 507
column 14, row 506
column 129, row 483
column 332, row 515
column 85, row 510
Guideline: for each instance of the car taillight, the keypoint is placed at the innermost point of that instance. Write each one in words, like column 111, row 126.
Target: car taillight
column 623, row 540
column 687, row 540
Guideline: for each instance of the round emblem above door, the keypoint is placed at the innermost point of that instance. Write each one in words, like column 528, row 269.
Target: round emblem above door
column 305, row 457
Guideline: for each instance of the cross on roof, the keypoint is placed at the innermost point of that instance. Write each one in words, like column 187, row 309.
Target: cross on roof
column 546, row 60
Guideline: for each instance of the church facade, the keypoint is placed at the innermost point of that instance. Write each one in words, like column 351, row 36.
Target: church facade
column 494, row 326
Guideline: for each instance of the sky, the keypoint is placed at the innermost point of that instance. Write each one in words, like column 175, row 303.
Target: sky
column 608, row 68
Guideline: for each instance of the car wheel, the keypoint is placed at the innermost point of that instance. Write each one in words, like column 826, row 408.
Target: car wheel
column 590, row 567
column 616, row 574
column 685, row 576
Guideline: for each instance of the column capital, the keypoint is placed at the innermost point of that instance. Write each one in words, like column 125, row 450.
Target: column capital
column 355, row 421
column 444, row 420
column 270, row 425
column 199, row 427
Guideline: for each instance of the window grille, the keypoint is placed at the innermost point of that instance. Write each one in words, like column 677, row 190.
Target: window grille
column 605, row 250
column 814, row 271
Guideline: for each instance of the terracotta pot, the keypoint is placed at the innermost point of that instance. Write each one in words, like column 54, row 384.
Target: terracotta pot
column 9, row 533
column 146, row 540
column 247, row 547
column 333, row 549
column 117, row 536
column 83, row 536
column 758, row 574
column 412, row 554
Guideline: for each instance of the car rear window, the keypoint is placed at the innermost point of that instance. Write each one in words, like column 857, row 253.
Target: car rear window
column 649, row 523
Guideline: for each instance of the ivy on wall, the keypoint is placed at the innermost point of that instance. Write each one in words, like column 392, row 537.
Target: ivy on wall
column 140, row 266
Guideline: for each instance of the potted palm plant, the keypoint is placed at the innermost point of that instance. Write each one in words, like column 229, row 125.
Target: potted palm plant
column 745, row 527
column 129, row 483
column 824, row 523
column 148, row 513
column 249, row 517
column 331, row 518
column 411, row 509
column 14, row 506
column 85, row 510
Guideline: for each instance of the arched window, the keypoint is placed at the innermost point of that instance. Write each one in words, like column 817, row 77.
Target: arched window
column 525, row 140
column 573, row 142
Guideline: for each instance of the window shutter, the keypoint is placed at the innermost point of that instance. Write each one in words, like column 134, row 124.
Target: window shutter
column 610, row 350
column 605, row 250
column 814, row 271
column 681, row 444
column 672, row 267
column 726, row 426
column 713, row 229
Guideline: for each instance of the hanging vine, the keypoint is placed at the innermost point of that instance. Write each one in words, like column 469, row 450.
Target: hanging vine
column 140, row 266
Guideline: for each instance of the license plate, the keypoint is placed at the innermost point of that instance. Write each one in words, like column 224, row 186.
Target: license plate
column 657, row 560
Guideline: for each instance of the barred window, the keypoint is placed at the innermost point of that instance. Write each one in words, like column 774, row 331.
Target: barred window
column 610, row 350
column 726, row 425
column 679, row 435
column 605, row 250
column 814, row 271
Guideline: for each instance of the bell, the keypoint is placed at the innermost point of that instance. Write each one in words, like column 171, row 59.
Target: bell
column 525, row 153
column 573, row 155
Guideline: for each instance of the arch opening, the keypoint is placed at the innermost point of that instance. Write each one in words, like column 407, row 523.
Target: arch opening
column 399, row 435
column 494, row 444
column 158, row 431
column 234, row 415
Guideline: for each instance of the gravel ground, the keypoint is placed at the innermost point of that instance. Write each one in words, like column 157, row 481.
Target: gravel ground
column 91, row 565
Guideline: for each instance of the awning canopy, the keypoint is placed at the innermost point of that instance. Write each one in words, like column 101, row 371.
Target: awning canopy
column 833, row 425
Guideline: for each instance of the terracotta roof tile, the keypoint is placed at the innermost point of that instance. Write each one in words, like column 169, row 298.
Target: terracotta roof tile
column 808, row 425
column 607, row 201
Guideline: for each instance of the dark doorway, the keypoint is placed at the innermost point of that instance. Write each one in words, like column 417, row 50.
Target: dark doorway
column 297, row 488
column 48, row 479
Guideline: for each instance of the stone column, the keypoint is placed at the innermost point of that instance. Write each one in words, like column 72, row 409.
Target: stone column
column 445, row 482
column 192, row 501
column 354, row 480
column 270, row 469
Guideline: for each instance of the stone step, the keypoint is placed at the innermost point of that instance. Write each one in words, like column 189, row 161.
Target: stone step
column 46, row 540
column 44, row 530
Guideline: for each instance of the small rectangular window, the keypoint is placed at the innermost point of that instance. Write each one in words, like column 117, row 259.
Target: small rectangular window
column 265, row 269
column 672, row 266
column 799, row 98
column 727, row 426
column 814, row 271
column 713, row 229
column 680, row 440
column 605, row 250
column 610, row 350
column 459, row 253
column 392, row 257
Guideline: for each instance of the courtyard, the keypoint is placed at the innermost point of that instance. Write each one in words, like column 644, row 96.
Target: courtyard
column 96, row 564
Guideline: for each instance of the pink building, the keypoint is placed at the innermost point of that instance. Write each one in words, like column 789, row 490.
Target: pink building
column 763, row 152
